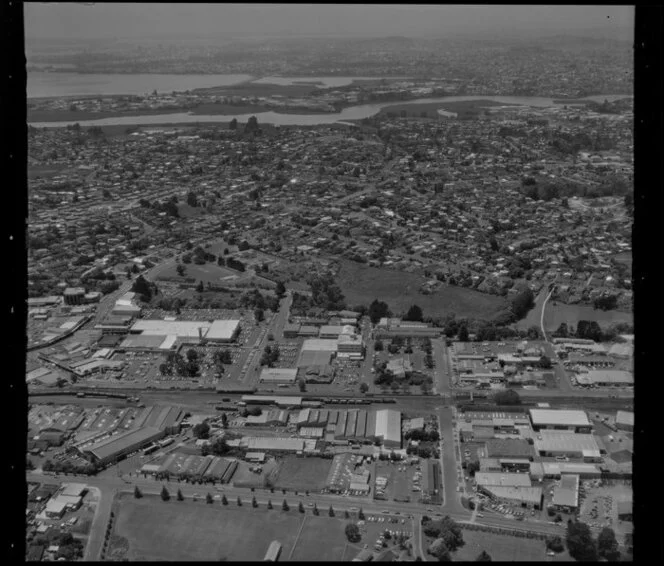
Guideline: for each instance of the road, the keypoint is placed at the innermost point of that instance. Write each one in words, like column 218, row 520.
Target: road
column 542, row 314
column 443, row 366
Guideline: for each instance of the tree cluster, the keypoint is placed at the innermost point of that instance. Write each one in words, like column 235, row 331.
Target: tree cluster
column 270, row 355
column 377, row 310
column 326, row 294
column 580, row 542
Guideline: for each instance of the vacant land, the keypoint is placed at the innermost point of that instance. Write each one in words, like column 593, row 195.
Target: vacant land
column 501, row 548
column 303, row 473
column 182, row 530
column 361, row 285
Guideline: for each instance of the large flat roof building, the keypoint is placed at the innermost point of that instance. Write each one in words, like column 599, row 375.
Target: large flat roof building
column 625, row 420
column 223, row 331
column 388, row 427
column 502, row 479
column 278, row 375
column 116, row 446
column 320, row 344
column 566, row 495
column 562, row 419
column 550, row 443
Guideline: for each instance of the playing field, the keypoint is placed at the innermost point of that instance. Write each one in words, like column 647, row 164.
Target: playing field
column 196, row 531
column 303, row 473
column 500, row 547
column 361, row 285
column 188, row 531
column 572, row 314
column 210, row 272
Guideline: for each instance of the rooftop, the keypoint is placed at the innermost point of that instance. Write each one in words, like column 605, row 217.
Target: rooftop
column 559, row 417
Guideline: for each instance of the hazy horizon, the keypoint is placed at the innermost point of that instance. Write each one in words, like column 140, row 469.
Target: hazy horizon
column 82, row 21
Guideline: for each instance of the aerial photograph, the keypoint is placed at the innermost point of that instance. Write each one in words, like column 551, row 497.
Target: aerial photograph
column 329, row 282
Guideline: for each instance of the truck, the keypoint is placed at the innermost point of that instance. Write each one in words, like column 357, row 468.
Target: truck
column 80, row 394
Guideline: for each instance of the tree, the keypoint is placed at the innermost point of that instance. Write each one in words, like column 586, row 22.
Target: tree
column 378, row 346
column 607, row 545
column 284, row 506
column 137, row 492
column 360, row 514
column 280, row 289
column 562, row 331
column 414, row 314
column 302, row 385
column 181, row 270
column 463, row 333
column 522, row 303
column 377, row 310
column 200, row 287
column 300, row 507
column 179, row 496
column 483, row 557
column 353, row 533
column 191, row 199
column 269, row 504
column 254, row 503
column 330, row 511
column 580, row 542
column 545, row 362
column 507, row 397
column 315, row 510
column 208, row 498
column 473, row 466
column 439, row 549
column 224, row 501
column 259, row 314
column 233, row 124
column 165, row 496
column 239, row 501
column 364, row 387
column 251, row 125
column 555, row 544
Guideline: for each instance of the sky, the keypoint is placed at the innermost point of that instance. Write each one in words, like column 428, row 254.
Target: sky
column 87, row 20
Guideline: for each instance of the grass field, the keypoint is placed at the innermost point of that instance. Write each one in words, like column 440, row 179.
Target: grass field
column 361, row 285
column 303, row 473
column 188, row 531
column 210, row 272
column 501, row 548
column 571, row 314
column 464, row 109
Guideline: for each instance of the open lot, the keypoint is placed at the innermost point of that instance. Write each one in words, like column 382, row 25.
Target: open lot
column 195, row 531
column 501, row 548
column 361, row 284
column 302, row 473
column 400, row 482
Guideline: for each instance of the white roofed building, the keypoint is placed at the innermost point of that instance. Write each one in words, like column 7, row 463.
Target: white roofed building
column 573, row 420
column 388, row 427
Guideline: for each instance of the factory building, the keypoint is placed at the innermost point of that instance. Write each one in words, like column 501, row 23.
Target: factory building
column 572, row 420
column 115, row 447
column 551, row 444
column 566, row 494
column 278, row 375
column 625, row 421
column 388, row 427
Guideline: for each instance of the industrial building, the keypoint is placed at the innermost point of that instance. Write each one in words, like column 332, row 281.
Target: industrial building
column 566, row 494
column 625, row 421
column 190, row 331
column 278, row 375
column 431, row 481
column 272, row 444
column 350, row 344
column 317, row 373
column 572, row 420
column 388, row 427
column 550, row 443
column 529, row 497
column 115, row 447
column 314, row 358
column 484, row 479
column 606, row 378
column 285, row 401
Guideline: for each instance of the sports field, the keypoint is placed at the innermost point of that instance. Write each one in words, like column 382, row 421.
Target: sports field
column 572, row 314
column 210, row 272
column 501, row 548
column 188, row 531
column 303, row 473
column 361, row 284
